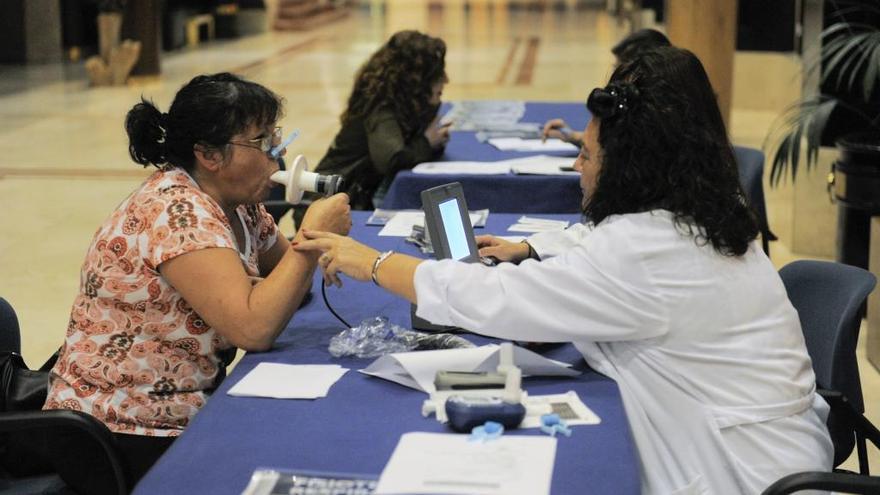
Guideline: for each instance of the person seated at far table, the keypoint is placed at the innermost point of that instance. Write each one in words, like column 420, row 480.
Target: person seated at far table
column 628, row 48
column 186, row 269
column 666, row 290
column 391, row 122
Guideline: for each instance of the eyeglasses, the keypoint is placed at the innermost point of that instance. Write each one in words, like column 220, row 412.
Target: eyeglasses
column 265, row 143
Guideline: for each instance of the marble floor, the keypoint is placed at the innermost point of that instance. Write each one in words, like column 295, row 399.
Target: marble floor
column 63, row 150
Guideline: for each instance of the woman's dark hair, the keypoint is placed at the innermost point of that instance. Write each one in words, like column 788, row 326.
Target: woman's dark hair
column 209, row 111
column 400, row 75
column 637, row 43
column 664, row 146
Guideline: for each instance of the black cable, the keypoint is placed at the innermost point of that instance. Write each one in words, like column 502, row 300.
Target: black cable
column 327, row 303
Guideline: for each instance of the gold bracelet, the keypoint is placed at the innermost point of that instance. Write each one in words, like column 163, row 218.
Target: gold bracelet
column 379, row 259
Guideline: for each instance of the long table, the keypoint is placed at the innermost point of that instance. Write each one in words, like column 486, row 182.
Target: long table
column 543, row 193
column 502, row 193
column 356, row 427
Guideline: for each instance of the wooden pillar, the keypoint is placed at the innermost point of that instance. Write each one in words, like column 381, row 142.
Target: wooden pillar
column 873, row 337
column 707, row 28
column 143, row 22
column 30, row 31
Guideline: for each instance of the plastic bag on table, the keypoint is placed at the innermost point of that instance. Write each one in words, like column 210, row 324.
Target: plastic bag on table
column 376, row 337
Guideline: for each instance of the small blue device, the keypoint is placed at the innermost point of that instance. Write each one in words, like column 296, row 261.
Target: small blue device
column 465, row 412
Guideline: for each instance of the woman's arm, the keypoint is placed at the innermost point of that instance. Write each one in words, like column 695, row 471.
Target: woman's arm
column 601, row 296
column 214, row 282
column 394, row 273
column 250, row 316
column 270, row 258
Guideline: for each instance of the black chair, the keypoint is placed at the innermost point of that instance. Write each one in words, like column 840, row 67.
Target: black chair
column 828, row 297
column 750, row 163
column 10, row 335
column 31, row 460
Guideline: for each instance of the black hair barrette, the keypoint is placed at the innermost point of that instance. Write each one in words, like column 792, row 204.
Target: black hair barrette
column 611, row 100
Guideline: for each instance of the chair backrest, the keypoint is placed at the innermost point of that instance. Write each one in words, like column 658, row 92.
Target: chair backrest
column 10, row 335
column 750, row 164
column 29, row 437
column 828, row 298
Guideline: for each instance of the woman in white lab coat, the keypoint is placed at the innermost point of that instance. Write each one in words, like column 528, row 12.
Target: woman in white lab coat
column 665, row 290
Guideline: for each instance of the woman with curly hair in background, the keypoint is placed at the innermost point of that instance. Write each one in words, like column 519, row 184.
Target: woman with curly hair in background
column 665, row 290
column 391, row 122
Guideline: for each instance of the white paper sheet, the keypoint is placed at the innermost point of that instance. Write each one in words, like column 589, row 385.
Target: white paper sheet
column 288, row 381
column 520, row 144
column 532, row 224
column 545, row 165
column 417, row 369
column 434, row 463
column 463, row 167
column 506, row 143
column 537, row 164
column 401, row 223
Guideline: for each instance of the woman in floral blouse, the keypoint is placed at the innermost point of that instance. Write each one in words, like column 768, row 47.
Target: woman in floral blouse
column 188, row 266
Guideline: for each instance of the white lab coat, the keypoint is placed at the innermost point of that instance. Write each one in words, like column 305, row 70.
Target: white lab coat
column 706, row 349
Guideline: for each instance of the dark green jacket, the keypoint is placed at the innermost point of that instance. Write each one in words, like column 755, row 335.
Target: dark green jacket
column 369, row 150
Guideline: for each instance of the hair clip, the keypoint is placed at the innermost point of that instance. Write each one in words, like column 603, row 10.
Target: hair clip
column 610, row 100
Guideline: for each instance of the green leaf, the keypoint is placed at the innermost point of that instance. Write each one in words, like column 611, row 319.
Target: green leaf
column 843, row 57
column 872, row 72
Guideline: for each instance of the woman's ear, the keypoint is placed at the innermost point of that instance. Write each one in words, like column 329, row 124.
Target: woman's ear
column 208, row 157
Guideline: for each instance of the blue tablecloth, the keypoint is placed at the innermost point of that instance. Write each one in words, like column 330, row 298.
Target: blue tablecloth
column 501, row 193
column 356, row 427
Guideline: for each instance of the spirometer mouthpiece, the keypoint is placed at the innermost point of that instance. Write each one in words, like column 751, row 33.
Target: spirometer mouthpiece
column 298, row 180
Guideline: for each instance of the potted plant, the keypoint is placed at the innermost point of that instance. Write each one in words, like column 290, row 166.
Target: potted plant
column 846, row 112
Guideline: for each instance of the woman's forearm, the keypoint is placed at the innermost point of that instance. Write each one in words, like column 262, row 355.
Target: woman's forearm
column 397, row 275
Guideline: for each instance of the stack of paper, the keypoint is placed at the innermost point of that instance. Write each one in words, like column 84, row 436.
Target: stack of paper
column 401, row 223
column 288, row 381
column 485, row 115
column 537, row 164
column 531, row 224
column 476, row 168
column 520, row 144
column 544, row 165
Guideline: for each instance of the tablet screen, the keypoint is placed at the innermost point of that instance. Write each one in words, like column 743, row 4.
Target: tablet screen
column 450, row 213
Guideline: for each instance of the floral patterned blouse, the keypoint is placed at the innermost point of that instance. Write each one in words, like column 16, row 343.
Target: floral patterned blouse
column 136, row 356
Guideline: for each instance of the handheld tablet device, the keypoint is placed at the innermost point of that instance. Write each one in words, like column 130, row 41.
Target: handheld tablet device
column 448, row 223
